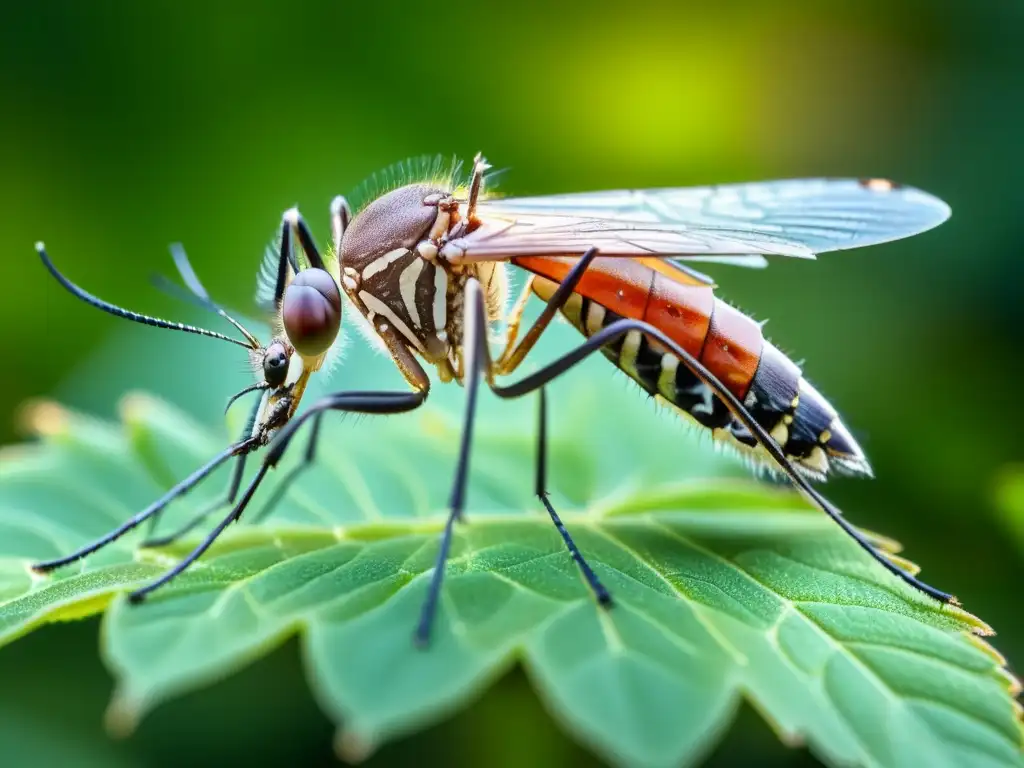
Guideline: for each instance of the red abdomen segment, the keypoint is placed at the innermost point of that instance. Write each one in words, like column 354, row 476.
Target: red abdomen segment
column 726, row 341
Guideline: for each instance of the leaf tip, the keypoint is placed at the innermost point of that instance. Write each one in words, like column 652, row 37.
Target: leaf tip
column 1014, row 688
column 792, row 739
column 122, row 716
column 885, row 543
column 350, row 747
column 976, row 626
column 1009, row 681
column 41, row 418
column 987, row 649
column 906, row 565
column 134, row 406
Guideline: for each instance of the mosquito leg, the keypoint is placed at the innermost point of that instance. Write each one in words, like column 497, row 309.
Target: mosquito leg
column 357, row 402
column 480, row 166
column 602, row 594
column 293, row 474
column 294, row 220
column 341, row 215
column 515, row 320
column 152, row 541
column 285, row 259
column 225, row 500
column 285, row 255
column 619, row 328
column 140, row 594
column 510, row 360
column 476, row 359
column 555, row 303
column 245, row 446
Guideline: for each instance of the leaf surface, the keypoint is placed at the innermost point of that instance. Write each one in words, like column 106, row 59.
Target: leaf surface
column 724, row 588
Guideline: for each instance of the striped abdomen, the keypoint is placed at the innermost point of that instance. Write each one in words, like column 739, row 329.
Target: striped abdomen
column 725, row 340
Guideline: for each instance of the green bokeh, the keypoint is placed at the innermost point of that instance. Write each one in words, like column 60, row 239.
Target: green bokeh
column 124, row 127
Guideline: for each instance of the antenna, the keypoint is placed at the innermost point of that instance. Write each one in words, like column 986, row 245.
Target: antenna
column 127, row 314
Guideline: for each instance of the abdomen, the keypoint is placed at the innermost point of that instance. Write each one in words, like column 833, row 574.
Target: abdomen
column 726, row 341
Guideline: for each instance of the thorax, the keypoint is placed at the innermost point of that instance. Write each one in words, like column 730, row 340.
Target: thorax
column 391, row 273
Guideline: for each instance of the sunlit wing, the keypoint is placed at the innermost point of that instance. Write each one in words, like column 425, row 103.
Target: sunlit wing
column 737, row 223
column 752, row 261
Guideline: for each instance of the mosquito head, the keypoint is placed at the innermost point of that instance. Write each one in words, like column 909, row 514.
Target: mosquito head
column 310, row 313
column 275, row 364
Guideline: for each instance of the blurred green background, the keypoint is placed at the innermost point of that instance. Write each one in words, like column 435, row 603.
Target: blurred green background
column 124, row 127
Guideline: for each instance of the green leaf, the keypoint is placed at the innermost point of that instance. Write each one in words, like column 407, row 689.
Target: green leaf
column 724, row 588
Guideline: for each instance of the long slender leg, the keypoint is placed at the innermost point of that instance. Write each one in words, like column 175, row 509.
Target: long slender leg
column 358, row 402
column 197, row 294
column 226, row 499
column 476, row 316
column 293, row 474
column 294, row 219
column 286, row 253
column 602, row 594
column 476, row 359
column 285, row 259
column 480, row 166
column 291, row 221
column 245, row 446
column 619, row 328
column 515, row 320
column 341, row 215
column 140, row 594
column 510, row 360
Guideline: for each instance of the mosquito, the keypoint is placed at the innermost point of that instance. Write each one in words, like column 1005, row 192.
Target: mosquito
column 425, row 264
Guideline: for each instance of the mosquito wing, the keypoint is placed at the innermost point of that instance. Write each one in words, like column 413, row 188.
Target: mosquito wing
column 735, row 223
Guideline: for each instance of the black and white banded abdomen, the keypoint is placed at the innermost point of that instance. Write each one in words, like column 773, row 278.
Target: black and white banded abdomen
column 780, row 399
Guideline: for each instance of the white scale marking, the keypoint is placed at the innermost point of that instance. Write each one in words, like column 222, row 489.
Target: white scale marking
column 440, row 299
column 377, row 306
column 702, row 389
column 817, row 461
column 407, row 287
column 383, row 262
column 629, row 351
column 667, row 386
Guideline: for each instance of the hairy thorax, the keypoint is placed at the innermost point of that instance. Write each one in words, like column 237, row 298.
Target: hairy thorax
column 392, row 273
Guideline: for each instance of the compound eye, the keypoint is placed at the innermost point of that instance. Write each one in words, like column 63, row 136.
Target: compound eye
column 311, row 312
column 275, row 365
